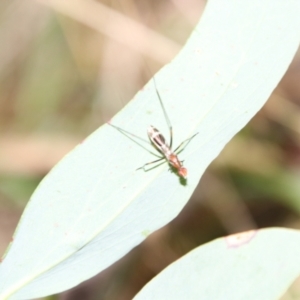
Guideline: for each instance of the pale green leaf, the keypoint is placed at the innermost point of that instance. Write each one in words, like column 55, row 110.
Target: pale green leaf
column 253, row 265
column 93, row 207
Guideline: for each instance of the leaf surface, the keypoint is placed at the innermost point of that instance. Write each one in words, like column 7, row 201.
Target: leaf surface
column 251, row 265
column 94, row 207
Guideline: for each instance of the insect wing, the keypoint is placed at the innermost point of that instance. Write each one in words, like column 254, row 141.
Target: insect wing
column 157, row 138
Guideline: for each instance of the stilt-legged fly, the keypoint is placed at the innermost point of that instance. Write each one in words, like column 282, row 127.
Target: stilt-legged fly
column 159, row 143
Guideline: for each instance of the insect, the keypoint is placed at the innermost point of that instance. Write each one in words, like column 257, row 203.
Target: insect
column 160, row 144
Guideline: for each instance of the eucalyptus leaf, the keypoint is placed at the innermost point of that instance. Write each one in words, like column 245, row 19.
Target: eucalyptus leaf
column 95, row 206
column 258, row 265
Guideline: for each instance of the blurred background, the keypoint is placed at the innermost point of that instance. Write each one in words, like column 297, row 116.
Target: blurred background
column 66, row 67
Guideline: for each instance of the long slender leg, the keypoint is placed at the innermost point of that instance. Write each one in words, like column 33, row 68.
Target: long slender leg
column 166, row 115
column 129, row 135
column 185, row 141
column 150, row 163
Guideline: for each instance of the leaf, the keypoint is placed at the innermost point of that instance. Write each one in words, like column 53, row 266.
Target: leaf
column 94, row 207
column 253, row 265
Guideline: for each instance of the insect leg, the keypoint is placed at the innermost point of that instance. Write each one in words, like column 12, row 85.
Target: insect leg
column 187, row 141
column 165, row 114
column 150, row 163
column 131, row 136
